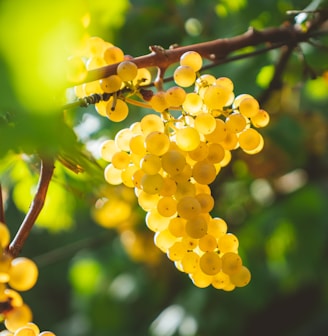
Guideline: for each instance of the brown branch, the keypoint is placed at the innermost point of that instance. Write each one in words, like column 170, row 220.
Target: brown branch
column 46, row 172
column 2, row 211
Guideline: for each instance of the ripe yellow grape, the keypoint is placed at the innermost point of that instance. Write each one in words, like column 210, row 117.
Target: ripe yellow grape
column 143, row 77
column 204, row 172
column 122, row 139
column 241, row 278
column 231, row 263
column 136, row 178
column 205, row 123
column 220, row 280
column 196, row 227
column 200, row 279
column 96, row 45
column 76, row 69
column 173, row 162
column 228, row 243
column 249, row 139
column 147, row 201
column 23, row 274
column 207, row 243
column 227, row 158
column 200, row 153
column 216, row 96
column 192, row 59
column 113, row 55
column 185, row 175
column 152, row 184
column 111, row 84
column 25, row 331
column 185, row 188
column 34, row 327
column 249, row 107
column 210, row 263
column 190, row 262
column 113, row 175
column 206, row 202
column 167, row 206
column 47, row 333
column 217, row 227
column 91, row 88
column 4, row 236
column 256, row 149
column 121, row 160
column 137, row 145
column 169, row 187
column 260, row 119
column 164, row 240
column 158, row 101
column 15, row 298
column 220, row 132
column 151, row 123
column 236, row 122
column 155, row 221
column 188, row 207
column 157, row 143
column 177, row 251
column 127, row 71
column 95, row 62
column 216, row 153
column 225, row 82
column 177, row 226
column 175, row 96
column 230, row 142
column 184, row 76
column 127, row 176
column 117, row 110
column 187, row 138
column 101, row 107
column 151, row 164
column 192, row 104
column 18, row 317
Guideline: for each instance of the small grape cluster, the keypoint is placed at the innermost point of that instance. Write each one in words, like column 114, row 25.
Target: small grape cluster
column 16, row 275
column 171, row 156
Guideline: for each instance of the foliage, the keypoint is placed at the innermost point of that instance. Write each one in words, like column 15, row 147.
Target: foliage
column 93, row 280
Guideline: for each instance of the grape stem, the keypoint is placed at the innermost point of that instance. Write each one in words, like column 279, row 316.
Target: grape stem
column 46, row 172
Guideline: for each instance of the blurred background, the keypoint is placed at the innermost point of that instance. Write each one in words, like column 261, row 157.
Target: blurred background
column 100, row 273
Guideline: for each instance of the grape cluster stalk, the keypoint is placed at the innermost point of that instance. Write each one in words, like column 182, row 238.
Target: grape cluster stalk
column 17, row 275
column 172, row 155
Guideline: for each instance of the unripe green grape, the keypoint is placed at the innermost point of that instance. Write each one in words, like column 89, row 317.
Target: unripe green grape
column 217, row 227
column 113, row 55
column 231, row 263
column 127, row 70
column 210, row 263
column 113, row 175
column 228, row 243
column 157, row 143
column 175, row 96
column 177, row 226
column 18, row 317
column 192, row 104
column 249, row 107
column 216, row 153
column 200, row 153
column 204, row 172
column 177, row 251
column 249, row 139
column 220, row 280
column 117, row 110
column 76, row 69
column 167, row 206
column 147, row 201
column 190, row 262
column 111, row 84
column 137, row 145
column 169, row 187
column 158, row 102
column 155, row 221
column 185, row 188
column 220, row 132
column 152, row 184
column 187, row 138
column 122, row 139
column 207, row 243
column 151, row 123
column 173, row 162
column 151, row 164
column 205, row 123
column 260, row 119
column 206, row 202
column 4, row 235
column 121, row 160
column 241, row 278
column 184, row 76
column 192, row 59
column 236, row 122
column 23, row 274
column 216, row 97
column 164, row 240
column 188, row 207
column 196, row 227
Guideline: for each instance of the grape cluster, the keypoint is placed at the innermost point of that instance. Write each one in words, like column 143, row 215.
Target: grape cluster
column 16, row 275
column 171, row 156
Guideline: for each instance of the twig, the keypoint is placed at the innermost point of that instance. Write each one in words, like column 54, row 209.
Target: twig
column 46, row 172
column 2, row 211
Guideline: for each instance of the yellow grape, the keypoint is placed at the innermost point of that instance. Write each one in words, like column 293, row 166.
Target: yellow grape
column 95, row 62
column 91, row 88
column 111, row 84
column 143, row 77
column 137, row 145
column 177, row 251
column 210, row 263
column 25, row 331
column 23, row 274
column 173, row 162
column 183, row 176
column 152, row 184
column 113, row 175
column 200, row 153
column 18, row 317
column 34, row 327
column 192, row 243
column 101, row 107
column 217, row 227
column 228, row 243
column 6, row 333
column 215, row 97
column 236, row 122
column 76, row 69
column 200, row 279
column 230, row 142
column 260, row 119
column 96, row 45
column 175, row 96
column 151, row 164
column 220, row 132
column 169, row 187
column 113, row 55
column 184, row 76
column 192, row 59
column 206, row 202
column 47, row 333
column 136, row 178
column 188, row 207
column 157, row 143
column 167, row 206
column 177, row 226
column 147, row 201
column 15, row 298
column 185, row 188
column 256, row 149
column 231, row 263
column 4, row 235
column 249, row 107
column 158, row 102
column 122, row 139
column 216, row 153
column 249, row 139
column 190, row 262
column 117, row 110
column 121, row 160
column 220, row 280
column 164, row 240
column 155, row 221
column 192, row 104
column 225, row 82
column 127, row 71
column 127, row 176
column 227, row 158
column 204, row 172
column 242, row 277
column 151, row 123
column 187, row 138
column 205, row 123
column 196, row 227
column 207, row 243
